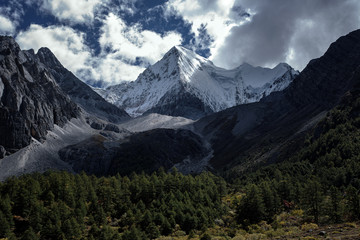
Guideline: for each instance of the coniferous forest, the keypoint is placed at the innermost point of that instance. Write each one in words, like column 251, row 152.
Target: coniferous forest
column 59, row 205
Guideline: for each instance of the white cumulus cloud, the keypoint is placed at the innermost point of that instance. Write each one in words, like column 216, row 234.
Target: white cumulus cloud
column 131, row 42
column 289, row 31
column 76, row 11
column 125, row 50
column 67, row 44
column 7, row 27
column 263, row 32
column 215, row 15
column 113, row 71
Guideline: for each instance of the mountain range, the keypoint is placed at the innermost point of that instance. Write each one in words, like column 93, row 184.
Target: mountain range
column 190, row 114
column 185, row 84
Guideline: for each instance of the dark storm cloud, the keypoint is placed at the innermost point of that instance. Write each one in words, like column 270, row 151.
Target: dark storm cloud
column 287, row 30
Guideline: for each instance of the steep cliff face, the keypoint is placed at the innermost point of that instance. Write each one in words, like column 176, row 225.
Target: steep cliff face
column 31, row 101
column 79, row 91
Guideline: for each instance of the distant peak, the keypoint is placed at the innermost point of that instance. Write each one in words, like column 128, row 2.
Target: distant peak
column 45, row 50
column 181, row 48
column 48, row 58
column 245, row 64
column 177, row 50
column 185, row 51
column 180, row 52
column 282, row 65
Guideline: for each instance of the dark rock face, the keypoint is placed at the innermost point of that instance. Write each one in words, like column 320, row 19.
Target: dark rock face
column 112, row 128
column 80, row 92
column 2, row 152
column 93, row 155
column 157, row 148
column 181, row 104
column 103, row 126
column 31, row 101
column 146, row 151
column 97, row 125
column 272, row 129
column 326, row 79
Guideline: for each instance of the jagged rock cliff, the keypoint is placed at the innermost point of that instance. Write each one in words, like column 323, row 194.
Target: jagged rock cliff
column 31, row 101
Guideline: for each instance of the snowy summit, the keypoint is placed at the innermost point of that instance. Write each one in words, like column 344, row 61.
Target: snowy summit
column 185, row 84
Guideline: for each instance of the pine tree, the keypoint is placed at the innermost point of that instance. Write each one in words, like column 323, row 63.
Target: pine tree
column 133, row 234
column 36, row 216
column 312, row 199
column 4, row 225
column 166, row 228
column 146, row 220
column 251, row 208
column 189, row 223
column 49, row 198
column 353, row 199
column 5, row 207
column 29, row 235
column 335, row 198
column 94, row 232
column 152, row 231
column 269, row 201
column 100, row 216
column 206, row 236
column 71, row 229
column 106, row 233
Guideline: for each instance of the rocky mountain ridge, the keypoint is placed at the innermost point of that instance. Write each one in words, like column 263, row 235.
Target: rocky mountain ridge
column 79, row 91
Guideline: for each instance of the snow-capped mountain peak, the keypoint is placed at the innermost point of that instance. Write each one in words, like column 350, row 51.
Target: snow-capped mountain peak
column 181, row 61
column 185, row 84
column 259, row 76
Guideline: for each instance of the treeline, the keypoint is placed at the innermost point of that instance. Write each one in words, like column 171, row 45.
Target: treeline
column 60, row 205
column 323, row 178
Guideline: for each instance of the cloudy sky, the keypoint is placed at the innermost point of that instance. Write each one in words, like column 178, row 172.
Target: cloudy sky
column 110, row 41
